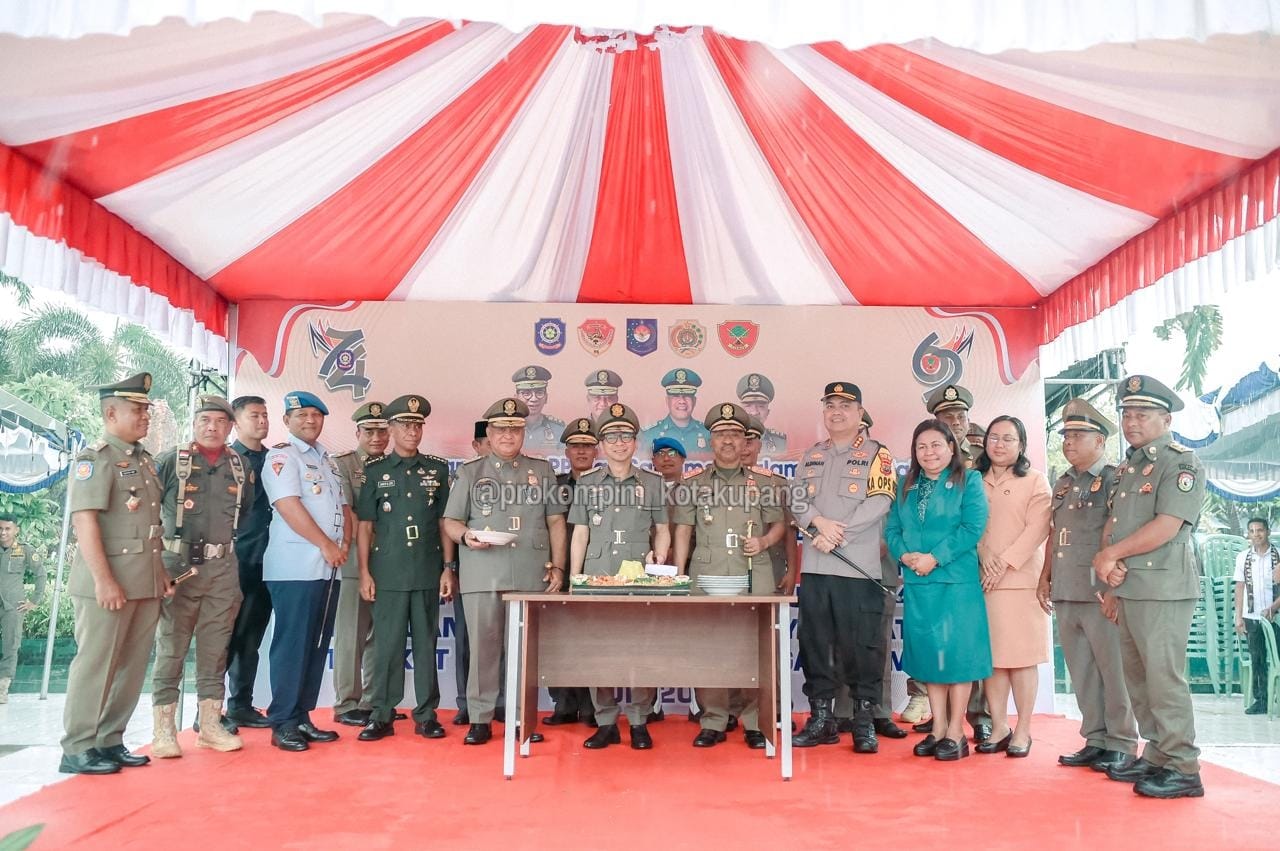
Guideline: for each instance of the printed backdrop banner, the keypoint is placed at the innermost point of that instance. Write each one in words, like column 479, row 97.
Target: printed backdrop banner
column 465, row 356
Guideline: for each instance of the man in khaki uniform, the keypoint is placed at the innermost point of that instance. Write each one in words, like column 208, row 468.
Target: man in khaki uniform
column 403, row 552
column 619, row 514
column 721, row 502
column 602, row 391
column 951, row 404
column 15, row 562
column 786, row 552
column 353, row 624
column 540, row 429
column 116, row 582
column 504, row 491
column 1148, row 557
column 1090, row 642
column 755, row 391
column 206, row 485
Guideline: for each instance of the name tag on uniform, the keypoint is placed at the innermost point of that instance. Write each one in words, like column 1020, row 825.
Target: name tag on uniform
column 386, row 484
column 126, row 473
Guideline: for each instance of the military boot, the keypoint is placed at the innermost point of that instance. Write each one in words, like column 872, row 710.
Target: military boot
column 164, row 736
column 212, row 734
column 864, row 730
column 820, row 729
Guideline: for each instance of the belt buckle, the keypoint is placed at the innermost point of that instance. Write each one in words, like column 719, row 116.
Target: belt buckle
column 411, row 532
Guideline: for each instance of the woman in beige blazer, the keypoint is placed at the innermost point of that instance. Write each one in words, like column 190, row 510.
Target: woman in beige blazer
column 1011, row 553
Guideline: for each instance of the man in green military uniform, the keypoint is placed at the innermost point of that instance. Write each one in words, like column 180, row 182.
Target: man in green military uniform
column 787, row 551
column 581, row 448
column 755, row 391
column 1149, row 559
column 619, row 514
column 403, row 552
column 682, row 386
column 16, row 561
column 602, row 391
column 505, row 491
column 540, row 429
column 1090, row 642
column 116, row 582
column 206, row 485
column 737, row 520
column 353, row 624
column 951, row 403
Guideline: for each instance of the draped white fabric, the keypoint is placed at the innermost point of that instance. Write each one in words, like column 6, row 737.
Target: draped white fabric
column 987, row 26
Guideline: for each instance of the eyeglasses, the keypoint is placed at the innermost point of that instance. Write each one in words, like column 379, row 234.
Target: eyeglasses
column 1007, row 439
column 532, row 394
column 618, row 437
column 666, row 453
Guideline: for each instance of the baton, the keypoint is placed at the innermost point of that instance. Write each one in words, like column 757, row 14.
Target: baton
column 183, row 577
column 844, row 558
column 324, row 613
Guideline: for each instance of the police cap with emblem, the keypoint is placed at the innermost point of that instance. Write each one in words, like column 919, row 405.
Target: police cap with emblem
column 949, row 396
column 603, row 382
column 507, row 412
column 843, row 389
column 681, row 382
column 754, row 387
column 299, row 399
column 755, row 428
column 726, row 415
column 408, row 409
column 580, row 431
column 618, row 417
column 210, row 402
column 135, row 388
column 1143, row 391
column 1079, row 415
column 371, row 414
column 532, row 377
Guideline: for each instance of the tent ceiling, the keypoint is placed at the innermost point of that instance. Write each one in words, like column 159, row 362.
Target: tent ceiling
column 429, row 159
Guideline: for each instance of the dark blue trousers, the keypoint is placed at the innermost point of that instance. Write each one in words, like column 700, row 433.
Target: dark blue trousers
column 297, row 664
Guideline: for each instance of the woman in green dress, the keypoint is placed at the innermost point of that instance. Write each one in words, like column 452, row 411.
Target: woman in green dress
column 933, row 529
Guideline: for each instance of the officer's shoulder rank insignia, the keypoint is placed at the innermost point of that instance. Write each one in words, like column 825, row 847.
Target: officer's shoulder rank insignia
column 99, row 446
column 437, row 459
column 284, row 445
column 472, row 460
column 1178, row 447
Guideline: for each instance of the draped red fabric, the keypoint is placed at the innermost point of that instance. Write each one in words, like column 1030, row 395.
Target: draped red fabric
column 861, row 210
column 52, row 209
column 1225, row 212
column 637, row 252
column 1127, row 167
column 376, row 227
column 101, row 160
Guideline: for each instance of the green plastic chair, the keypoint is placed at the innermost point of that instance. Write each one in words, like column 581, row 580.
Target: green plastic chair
column 1202, row 643
column 1218, row 554
column 1231, row 653
column 1273, row 674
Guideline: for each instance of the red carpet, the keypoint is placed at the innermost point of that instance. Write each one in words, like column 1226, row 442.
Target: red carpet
column 407, row 792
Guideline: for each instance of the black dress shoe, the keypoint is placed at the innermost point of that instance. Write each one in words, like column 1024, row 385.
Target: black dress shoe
column 926, row 746
column 289, row 739
column 995, row 747
column 708, row 738
column 556, row 719
column 923, row 726
column 640, row 738
column 755, row 739
column 1167, row 783
column 1018, row 751
column 885, row 727
column 462, row 719
column 605, row 735
column 1132, row 772
column 354, row 717
column 981, row 733
column 312, row 734
column 478, row 734
column 731, row 724
column 1087, row 755
column 655, row 717
column 949, row 750
column 248, row 718
column 375, row 730
column 89, row 762
column 1110, row 759
column 121, row 756
column 429, row 729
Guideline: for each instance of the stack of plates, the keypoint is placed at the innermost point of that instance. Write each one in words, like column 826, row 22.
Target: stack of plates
column 723, row 586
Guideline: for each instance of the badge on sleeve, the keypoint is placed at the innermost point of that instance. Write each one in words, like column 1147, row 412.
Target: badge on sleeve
column 84, row 469
column 1186, row 481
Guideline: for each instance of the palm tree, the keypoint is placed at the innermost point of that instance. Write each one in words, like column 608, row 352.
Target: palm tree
column 1201, row 328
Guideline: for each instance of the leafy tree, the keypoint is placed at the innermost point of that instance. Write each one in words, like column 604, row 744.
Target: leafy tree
column 1201, row 329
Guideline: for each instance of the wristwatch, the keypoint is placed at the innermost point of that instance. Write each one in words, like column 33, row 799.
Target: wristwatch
column 451, row 565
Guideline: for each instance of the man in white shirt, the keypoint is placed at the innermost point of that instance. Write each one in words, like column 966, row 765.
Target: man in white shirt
column 1257, row 575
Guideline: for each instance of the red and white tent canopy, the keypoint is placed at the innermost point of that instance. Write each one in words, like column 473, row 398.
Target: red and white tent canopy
column 430, row 159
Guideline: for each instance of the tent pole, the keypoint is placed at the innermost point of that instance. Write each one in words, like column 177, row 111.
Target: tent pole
column 57, row 579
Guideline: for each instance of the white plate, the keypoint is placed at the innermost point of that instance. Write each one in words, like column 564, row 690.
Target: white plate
column 722, row 592
column 499, row 538
column 661, row 569
column 723, row 580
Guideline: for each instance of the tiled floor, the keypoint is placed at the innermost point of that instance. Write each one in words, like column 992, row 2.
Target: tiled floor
column 30, row 729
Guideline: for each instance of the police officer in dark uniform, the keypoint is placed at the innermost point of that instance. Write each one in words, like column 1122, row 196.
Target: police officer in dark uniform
column 402, row 555
column 1149, row 559
column 252, row 426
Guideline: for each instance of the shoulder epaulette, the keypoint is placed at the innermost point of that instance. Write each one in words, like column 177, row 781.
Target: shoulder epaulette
column 284, row 445
column 99, row 446
column 374, row 459
column 761, row 471
column 473, row 460
column 437, row 459
column 555, row 420
column 343, row 454
column 1178, row 447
